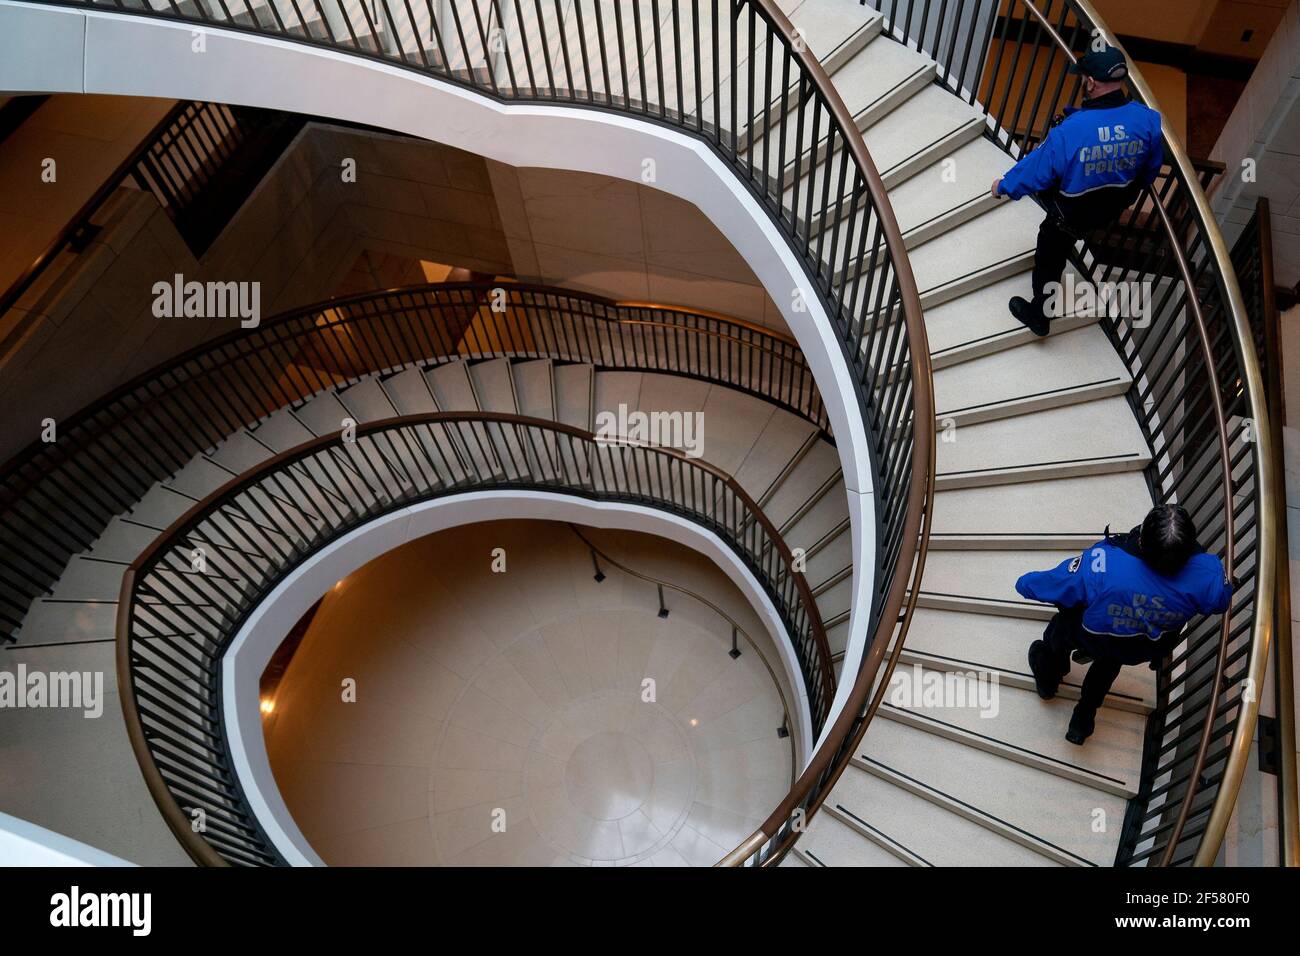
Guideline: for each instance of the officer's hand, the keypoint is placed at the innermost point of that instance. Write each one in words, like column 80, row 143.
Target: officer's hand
column 996, row 183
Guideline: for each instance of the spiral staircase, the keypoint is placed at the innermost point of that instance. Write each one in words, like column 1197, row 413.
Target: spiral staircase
column 1038, row 445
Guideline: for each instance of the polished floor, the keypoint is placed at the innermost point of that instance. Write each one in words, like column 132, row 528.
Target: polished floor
column 531, row 716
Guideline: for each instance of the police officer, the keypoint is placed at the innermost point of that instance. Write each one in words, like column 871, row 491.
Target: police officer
column 1090, row 168
column 1123, row 601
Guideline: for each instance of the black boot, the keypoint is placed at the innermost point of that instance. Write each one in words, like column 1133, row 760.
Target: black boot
column 1029, row 315
column 1045, row 684
column 1082, row 723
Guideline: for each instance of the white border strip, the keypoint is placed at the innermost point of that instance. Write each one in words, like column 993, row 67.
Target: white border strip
column 95, row 51
column 264, row 631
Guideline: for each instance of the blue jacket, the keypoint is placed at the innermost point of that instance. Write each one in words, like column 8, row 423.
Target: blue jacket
column 1107, row 144
column 1124, row 597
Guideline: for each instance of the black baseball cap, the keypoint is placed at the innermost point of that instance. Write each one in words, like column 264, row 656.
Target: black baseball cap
column 1107, row 65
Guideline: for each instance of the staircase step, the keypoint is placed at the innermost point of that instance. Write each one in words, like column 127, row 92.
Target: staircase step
column 324, row 414
column 283, row 430
column 920, row 132
column 1089, row 438
column 408, row 390
column 977, row 253
column 925, row 828
column 493, row 386
column 818, row 520
column 1061, row 370
column 965, row 327
column 782, row 438
column 948, row 192
column 451, row 388
column 199, row 478
column 915, row 133
column 57, row 622
column 832, row 842
column 367, row 401
column 835, row 599
column 1054, row 816
column 573, row 395
column 830, row 556
column 984, row 581
column 879, row 79
column 534, row 388
column 1063, row 513
column 1032, row 731
column 808, row 483
column 994, row 645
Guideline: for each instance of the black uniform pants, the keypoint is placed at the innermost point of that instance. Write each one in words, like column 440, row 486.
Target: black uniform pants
column 1065, row 633
column 1067, row 221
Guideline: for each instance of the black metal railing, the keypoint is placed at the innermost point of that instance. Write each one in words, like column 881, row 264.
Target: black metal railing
column 1252, row 257
column 200, row 162
column 186, row 598
column 57, row 498
column 1196, row 393
column 737, row 76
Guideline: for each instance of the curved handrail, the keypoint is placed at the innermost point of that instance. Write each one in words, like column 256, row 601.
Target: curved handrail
column 1194, row 253
column 736, row 629
column 163, row 417
column 682, row 61
column 184, row 599
column 1248, row 712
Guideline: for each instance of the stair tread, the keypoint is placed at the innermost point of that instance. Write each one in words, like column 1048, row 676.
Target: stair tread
column 452, row 389
column 781, row 438
column 283, row 430
column 493, row 387
column 1100, row 435
column 994, row 643
column 1000, row 235
column 533, row 388
column 931, row 832
column 323, row 414
column 409, row 392
column 573, row 395
column 932, row 193
column 826, row 25
column 986, row 575
column 831, row 842
column 1074, row 507
column 1055, row 370
column 879, row 68
column 367, row 401
column 1057, row 811
column 915, row 126
column 1033, row 730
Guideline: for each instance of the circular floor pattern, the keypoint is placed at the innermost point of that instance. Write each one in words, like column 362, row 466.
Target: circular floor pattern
column 533, row 718
column 624, row 765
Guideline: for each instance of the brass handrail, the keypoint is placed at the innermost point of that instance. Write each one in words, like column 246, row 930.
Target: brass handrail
column 894, row 297
column 1283, row 677
column 198, row 848
column 916, row 529
column 1266, row 572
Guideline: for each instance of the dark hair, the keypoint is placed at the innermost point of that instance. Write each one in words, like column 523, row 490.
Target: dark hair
column 1168, row 539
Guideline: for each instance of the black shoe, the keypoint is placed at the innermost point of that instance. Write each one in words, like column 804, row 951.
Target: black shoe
column 1079, row 657
column 1030, row 317
column 1082, row 724
column 1045, row 686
